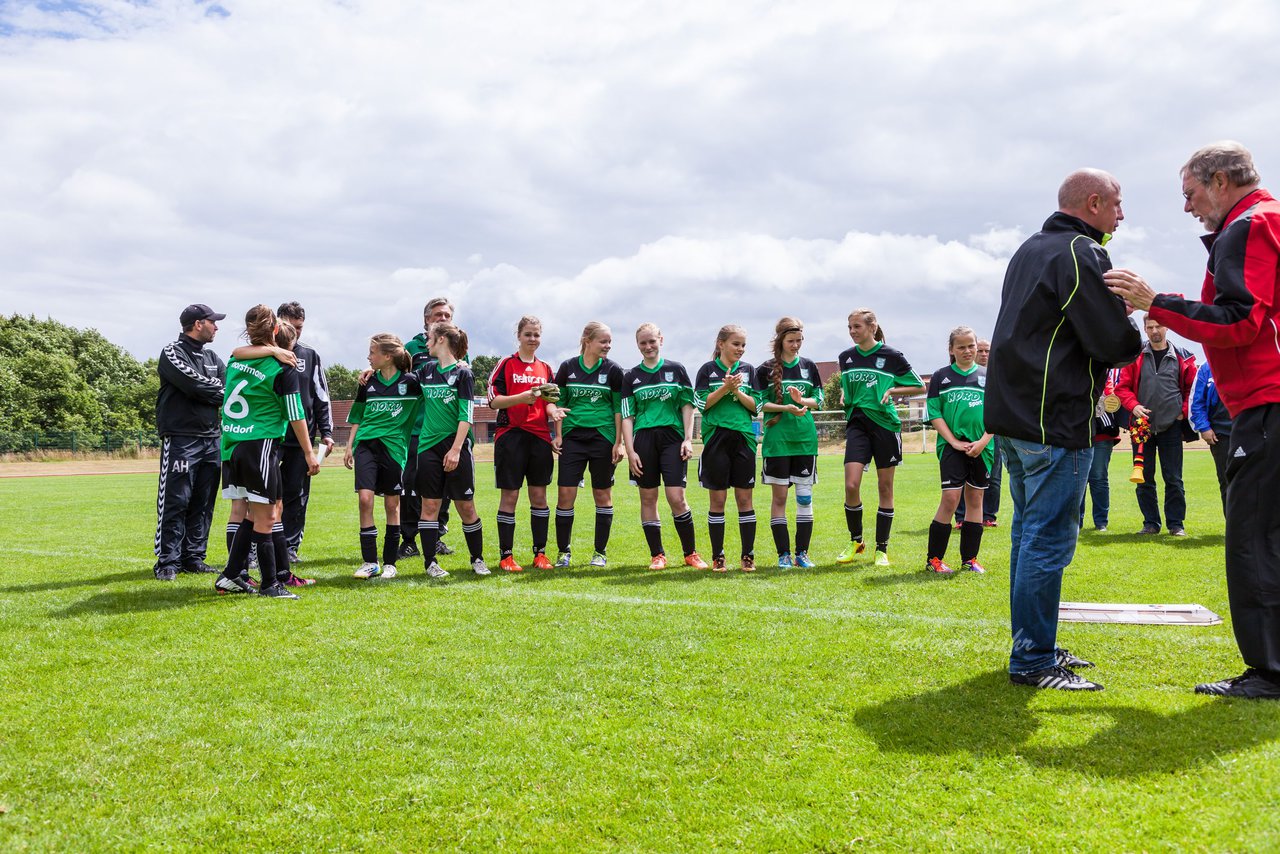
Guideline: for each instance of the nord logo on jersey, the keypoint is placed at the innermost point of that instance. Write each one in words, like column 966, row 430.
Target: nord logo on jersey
column 385, row 406
column 439, row 392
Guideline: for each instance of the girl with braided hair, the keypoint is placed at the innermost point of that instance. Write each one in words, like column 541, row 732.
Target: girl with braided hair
column 791, row 389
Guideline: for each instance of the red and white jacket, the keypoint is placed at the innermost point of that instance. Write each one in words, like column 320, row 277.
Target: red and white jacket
column 1237, row 319
column 1127, row 387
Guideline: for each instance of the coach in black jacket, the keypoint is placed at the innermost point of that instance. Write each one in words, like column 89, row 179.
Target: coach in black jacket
column 314, row 390
column 189, row 422
column 1058, row 331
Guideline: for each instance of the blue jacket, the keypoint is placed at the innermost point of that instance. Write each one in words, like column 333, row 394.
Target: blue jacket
column 1207, row 410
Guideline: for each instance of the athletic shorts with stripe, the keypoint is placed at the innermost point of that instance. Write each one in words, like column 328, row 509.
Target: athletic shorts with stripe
column 253, row 472
column 376, row 470
column 659, row 452
column 520, row 457
column 800, row 470
column 865, row 440
column 436, row 483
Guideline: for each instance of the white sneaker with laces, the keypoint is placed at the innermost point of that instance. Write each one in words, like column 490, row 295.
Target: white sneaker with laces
column 479, row 566
column 368, row 570
column 388, row 570
column 435, row 570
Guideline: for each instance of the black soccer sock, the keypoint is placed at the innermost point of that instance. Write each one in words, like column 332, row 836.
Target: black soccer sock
column 429, row 534
column 369, row 545
column 715, row 530
column 653, row 536
column 238, row 554
column 281, row 547
column 684, row 528
column 408, row 533
column 781, row 536
column 884, row 524
column 804, row 527
column 853, row 518
column 970, row 540
column 506, row 533
column 474, row 533
column 389, row 548
column 747, row 532
column 564, row 528
column 266, row 558
column 232, row 527
column 539, row 522
column 939, row 537
column 604, row 523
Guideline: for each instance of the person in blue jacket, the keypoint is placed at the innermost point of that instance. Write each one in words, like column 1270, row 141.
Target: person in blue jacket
column 1212, row 421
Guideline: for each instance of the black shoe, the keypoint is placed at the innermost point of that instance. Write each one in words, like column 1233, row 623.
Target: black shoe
column 1178, row 532
column 277, row 591
column 293, row 556
column 407, row 550
column 1150, row 529
column 442, row 548
column 1057, row 677
column 166, row 575
column 1251, row 685
column 231, row 585
column 249, row 579
column 199, row 566
column 1075, row 662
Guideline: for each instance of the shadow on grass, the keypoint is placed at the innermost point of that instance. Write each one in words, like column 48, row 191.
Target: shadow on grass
column 986, row 716
column 137, row 600
column 905, row 576
column 65, row 584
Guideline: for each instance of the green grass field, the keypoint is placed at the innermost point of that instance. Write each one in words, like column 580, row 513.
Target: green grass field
column 827, row 709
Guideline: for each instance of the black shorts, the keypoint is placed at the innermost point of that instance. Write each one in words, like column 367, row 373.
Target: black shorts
column 435, row 483
column 960, row 470
column 583, row 448
column 376, row 470
column 728, row 460
column 659, row 452
column 865, row 440
column 520, row 457
column 800, row 470
column 253, row 472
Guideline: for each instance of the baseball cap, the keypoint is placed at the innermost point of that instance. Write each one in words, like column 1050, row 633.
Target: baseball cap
column 198, row 311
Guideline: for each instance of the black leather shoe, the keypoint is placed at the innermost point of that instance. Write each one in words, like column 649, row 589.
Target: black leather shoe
column 1252, row 685
column 1150, row 529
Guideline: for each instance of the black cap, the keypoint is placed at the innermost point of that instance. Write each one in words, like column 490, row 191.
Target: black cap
column 195, row 312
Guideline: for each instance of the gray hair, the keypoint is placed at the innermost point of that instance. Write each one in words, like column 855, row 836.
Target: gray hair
column 1229, row 157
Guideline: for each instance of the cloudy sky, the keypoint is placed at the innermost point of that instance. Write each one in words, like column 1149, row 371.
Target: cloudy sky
column 690, row 163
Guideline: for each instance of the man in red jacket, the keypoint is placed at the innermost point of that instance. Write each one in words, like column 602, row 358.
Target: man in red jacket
column 1158, row 387
column 1238, row 321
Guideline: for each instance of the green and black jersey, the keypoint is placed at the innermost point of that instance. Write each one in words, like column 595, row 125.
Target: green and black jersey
column 592, row 395
column 447, row 401
column 791, row 435
column 655, row 397
column 865, row 376
column 728, row 413
column 957, row 397
column 387, row 409
column 259, row 400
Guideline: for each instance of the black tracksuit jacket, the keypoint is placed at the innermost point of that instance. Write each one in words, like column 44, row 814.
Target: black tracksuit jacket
column 190, row 398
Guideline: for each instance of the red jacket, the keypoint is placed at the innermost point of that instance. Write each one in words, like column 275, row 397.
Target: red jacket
column 1237, row 319
column 1127, row 387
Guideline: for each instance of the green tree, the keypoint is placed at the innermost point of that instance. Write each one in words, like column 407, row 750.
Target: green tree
column 342, row 381
column 833, row 397
column 481, row 368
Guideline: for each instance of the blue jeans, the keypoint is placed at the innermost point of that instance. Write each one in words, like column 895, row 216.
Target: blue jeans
column 1046, row 484
column 1167, row 446
column 1099, row 484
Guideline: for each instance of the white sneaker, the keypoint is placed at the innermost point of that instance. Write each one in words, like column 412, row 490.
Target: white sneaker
column 388, row 570
column 368, row 570
column 435, row 570
column 479, row 566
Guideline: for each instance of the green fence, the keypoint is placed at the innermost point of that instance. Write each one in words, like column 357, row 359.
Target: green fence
column 97, row 442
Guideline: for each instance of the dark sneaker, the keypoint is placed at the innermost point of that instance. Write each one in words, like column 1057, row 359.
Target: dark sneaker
column 1057, row 677
column 293, row 556
column 990, row 523
column 1178, row 532
column 407, row 550
column 295, row 581
column 199, row 566
column 1075, row 662
column 166, row 575
column 277, row 591
column 225, row 585
column 249, row 579
column 442, row 548
column 1252, row 685
column 1149, row 529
